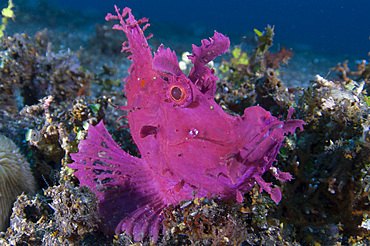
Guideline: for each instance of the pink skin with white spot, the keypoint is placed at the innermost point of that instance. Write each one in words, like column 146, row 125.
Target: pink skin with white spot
column 189, row 146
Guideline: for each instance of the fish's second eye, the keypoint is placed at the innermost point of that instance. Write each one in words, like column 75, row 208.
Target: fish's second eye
column 177, row 93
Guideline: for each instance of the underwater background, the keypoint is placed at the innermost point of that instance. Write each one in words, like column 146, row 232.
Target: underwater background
column 61, row 69
column 331, row 27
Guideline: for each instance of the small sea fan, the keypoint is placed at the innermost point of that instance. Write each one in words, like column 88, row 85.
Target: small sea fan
column 15, row 178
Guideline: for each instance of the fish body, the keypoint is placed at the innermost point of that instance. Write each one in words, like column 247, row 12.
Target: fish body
column 189, row 146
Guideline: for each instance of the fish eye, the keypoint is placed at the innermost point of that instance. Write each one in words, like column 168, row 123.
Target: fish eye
column 180, row 91
column 177, row 93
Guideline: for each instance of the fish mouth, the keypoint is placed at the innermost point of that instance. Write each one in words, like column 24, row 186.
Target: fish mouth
column 199, row 138
column 221, row 143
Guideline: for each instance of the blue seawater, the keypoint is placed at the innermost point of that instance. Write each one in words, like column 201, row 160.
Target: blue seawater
column 332, row 27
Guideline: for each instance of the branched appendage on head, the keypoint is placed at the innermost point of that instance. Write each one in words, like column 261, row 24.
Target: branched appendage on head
column 123, row 25
column 136, row 40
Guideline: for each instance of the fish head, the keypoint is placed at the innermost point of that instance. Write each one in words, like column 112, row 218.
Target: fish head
column 173, row 116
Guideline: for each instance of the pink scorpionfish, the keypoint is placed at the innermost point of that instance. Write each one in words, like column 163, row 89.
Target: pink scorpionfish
column 189, row 146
